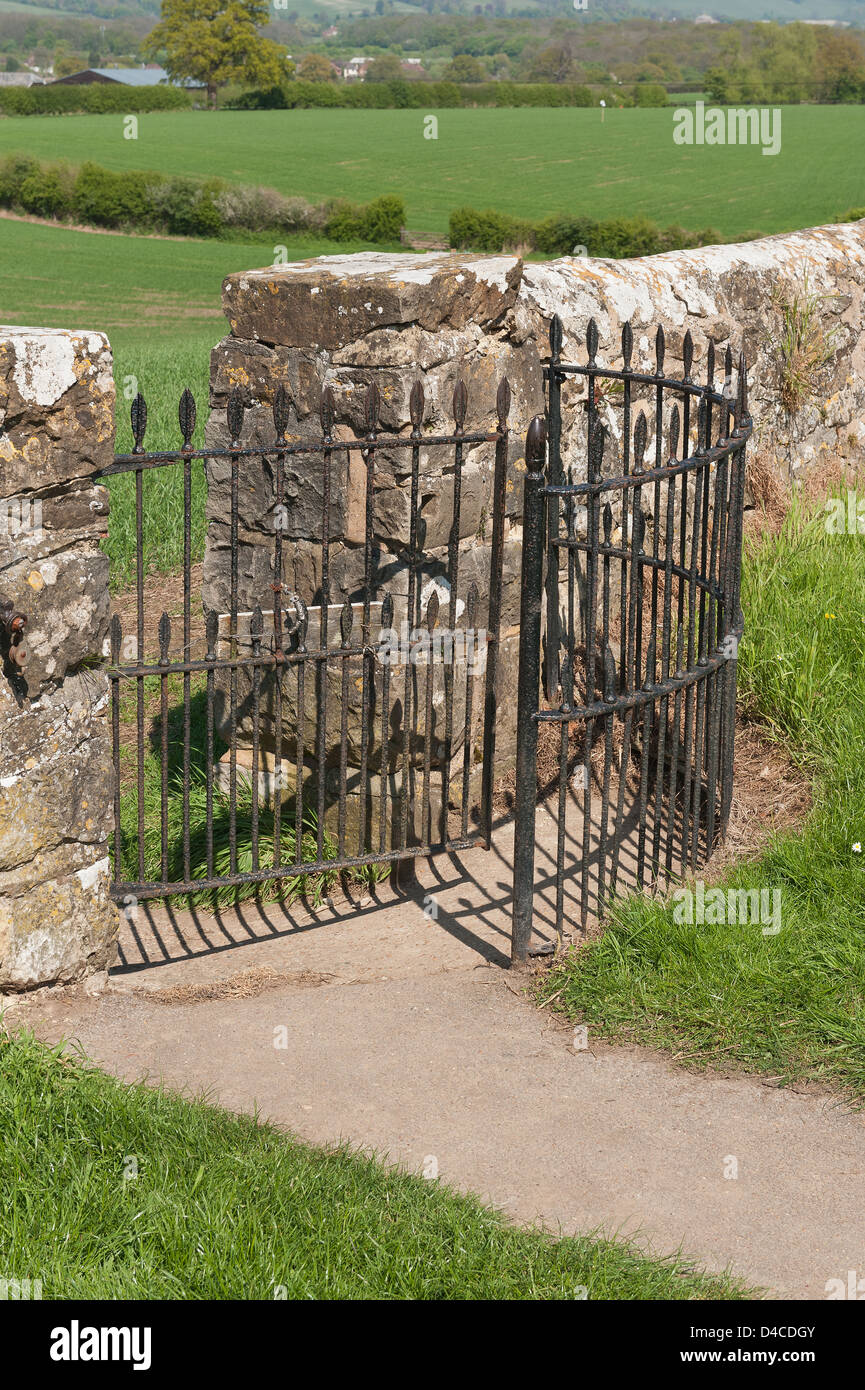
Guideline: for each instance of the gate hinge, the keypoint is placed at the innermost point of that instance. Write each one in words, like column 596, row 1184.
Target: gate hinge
column 13, row 624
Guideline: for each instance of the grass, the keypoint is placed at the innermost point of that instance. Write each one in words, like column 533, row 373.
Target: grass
column 803, row 347
column 790, row 1005
column 224, row 1207
column 160, row 372
column 526, row 162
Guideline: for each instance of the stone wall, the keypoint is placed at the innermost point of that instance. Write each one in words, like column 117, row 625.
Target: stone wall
column 346, row 320
column 727, row 295
column 57, row 922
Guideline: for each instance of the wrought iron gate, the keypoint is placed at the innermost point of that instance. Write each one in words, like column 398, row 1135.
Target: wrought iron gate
column 351, row 702
column 641, row 585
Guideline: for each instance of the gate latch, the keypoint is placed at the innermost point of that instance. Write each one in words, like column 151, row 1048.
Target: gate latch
column 13, row 624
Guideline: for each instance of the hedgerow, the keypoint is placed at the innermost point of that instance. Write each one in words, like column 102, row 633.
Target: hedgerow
column 149, row 201
column 401, row 93
column 562, row 235
column 91, row 98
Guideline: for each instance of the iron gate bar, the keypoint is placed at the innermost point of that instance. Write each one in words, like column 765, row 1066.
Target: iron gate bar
column 696, row 678
column 125, row 463
column 150, row 889
column 528, row 686
column 276, row 665
column 647, row 694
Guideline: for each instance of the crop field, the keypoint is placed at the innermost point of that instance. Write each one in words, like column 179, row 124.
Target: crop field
column 527, row 162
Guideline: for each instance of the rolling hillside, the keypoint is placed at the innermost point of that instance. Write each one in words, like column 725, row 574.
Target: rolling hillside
column 849, row 11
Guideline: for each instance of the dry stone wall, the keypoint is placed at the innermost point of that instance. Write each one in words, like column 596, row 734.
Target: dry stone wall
column 57, row 922
column 728, row 295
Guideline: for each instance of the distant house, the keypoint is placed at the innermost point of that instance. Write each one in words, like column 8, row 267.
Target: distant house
column 21, row 79
column 126, row 77
column 705, row 19
column 355, row 69
column 330, row 33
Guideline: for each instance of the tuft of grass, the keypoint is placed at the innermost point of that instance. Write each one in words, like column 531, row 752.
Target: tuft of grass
column 803, row 346
column 221, row 1206
column 793, row 1004
column 314, row 886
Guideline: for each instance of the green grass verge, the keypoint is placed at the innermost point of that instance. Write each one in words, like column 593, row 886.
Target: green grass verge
column 793, row 1004
column 527, row 162
column 224, row 1207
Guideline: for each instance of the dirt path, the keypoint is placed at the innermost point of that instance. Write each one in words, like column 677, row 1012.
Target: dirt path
column 85, row 227
column 404, row 1032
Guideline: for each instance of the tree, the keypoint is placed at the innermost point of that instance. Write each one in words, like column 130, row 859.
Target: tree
column 386, row 68
column 840, row 69
column 314, row 67
column 555, row 63
column 66, row 63
column 216, row 42
column 464, row 68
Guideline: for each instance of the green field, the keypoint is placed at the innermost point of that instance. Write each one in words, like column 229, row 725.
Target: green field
column 159, row 301
column 526, row 162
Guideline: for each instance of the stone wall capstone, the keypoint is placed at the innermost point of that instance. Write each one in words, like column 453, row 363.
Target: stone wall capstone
column 57, row 921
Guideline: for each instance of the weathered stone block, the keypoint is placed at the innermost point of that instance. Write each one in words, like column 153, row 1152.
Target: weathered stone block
column 337, row 686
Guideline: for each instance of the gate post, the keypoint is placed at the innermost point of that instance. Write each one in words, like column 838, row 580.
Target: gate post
column 528, row 688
